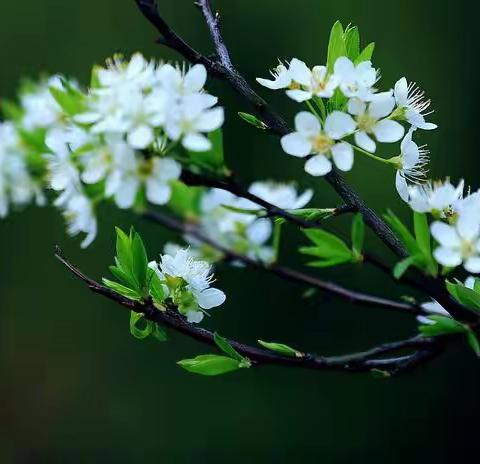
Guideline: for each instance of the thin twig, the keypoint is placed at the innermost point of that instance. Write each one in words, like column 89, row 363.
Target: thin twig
column 355, row 362
column 194, row 231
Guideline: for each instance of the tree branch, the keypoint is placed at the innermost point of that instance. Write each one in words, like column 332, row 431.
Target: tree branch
column 193, row 230
column 356, row 362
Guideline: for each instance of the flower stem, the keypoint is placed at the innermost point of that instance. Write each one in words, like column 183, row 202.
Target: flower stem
column 371, row 155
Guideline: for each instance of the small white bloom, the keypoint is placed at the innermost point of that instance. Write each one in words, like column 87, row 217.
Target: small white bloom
column 310, row 138
column 282, row 77
column 411, row 100
column 437, row 198
column 459, row 243
column 283, row 196
column 413, row 161
column 355, row 80
column 181, row 83
column 317, row 83
column 372, row 119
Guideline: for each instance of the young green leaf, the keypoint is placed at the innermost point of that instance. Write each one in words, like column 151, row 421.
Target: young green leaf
column 366, row 54
column 140, row 328
column 464, row 295
column 214, row 157
column 472, row 341
column 210, row 364
column 253, row 120
column 122, row 290
column 352, row 42
column 155, row 287
column 358, row 234
column 336, row 45
column 140, row 260
column 70, row 100
column 282, row 349
column 225, row 346
column 403, row 233
column 327, row 244
column 185, row 201
column 159, row 333
column 443, row 325
column 402, row 266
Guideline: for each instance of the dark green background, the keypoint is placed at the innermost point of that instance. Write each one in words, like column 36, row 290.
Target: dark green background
column 76, row 387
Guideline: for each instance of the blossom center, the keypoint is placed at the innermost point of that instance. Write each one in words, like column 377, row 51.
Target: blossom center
column 467, row 248
column 145, row 168
column 294, row 86
column 366, row 122
column 321, row 143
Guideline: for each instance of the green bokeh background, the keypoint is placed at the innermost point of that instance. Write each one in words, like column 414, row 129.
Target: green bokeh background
column 76, row 387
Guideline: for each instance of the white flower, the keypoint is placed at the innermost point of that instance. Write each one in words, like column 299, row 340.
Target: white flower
column 438, row 198
column 468, row 205
column 459, row 243
column 371, row 121
column 411, row 100
column 179, row 82
column 40, row 108
column 314, row 83
column 130, row 172
column 309, row 138
column 355, row 80
column 412, row 162
column 17, row 186
column 198, row 277
column 79, row 214
column 282, row 77
column 193, row 117
column 283, row 196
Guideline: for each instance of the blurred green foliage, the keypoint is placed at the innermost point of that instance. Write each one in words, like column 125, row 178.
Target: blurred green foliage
column 76, row 387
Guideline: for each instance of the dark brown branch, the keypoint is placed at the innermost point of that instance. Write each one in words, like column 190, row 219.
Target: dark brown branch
column 193, row 230
column 356, row 362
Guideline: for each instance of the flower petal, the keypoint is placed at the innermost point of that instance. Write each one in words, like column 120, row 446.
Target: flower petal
column 141, row 137
column 343, row 156
column 339, row 124
column 299, row 95
column 319, row 165
column 363, row 140
column 472, row 264
column 381, row 106
column 307, row 124
column 387, row 131
column 445, row 234
column 299, row 72
column 196, row 142
column 296, row 144
column 195, row 78
column 211, row 298
column 448, row 256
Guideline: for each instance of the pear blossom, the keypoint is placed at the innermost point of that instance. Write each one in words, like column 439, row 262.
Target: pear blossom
column 314, row 83
column 180, row 82
column 195, row 280
column 309, row 138
column 283, row 77
column 283, row 196
column 412, row 105
column 17, row 186
column 355, row 80
column 438, row 198
column 459, row 243
column 372, row 119
column 193, row 117
column 79, row 214
column 412, row 162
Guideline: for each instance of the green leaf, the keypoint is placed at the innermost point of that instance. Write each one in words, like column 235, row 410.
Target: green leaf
column 472, row 341
column 11, row 110
column 282, row 349
column 443, row 325
column 140, row 328
column 329, row 262
column 212, row 158
column 253, row 120
column 327, row 245
column 159, row 333
column 250, row 212
column 352, row 42
column 140, row 259
column 155, row 287
column 210, row 364
column 403, row 233
column 313, row 214
column 464, row 295
column 225, row 346
column 366, row 54
column 358, row 234
column 122, row 290
column 185, row 201
column 71, row 100
column 124, row 251
column 422, row 236
column 402, row 266
column 336, row 45
column 123, row 277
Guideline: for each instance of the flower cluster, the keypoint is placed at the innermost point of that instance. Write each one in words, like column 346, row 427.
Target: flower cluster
column 124, row 139
column 187, row 281
column 240, row 225
column 346, row 113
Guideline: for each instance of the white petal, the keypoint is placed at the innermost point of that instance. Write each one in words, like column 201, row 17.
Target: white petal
column 259, row 231
column 447, row 256
column 125, row 195
column 344, row 69
column 299, row 72
column 296, row 144
column 141, row 137
column 210, row 120
column 388, row 131
column 87, row 118
column 356, row 106
column 339, row 124
column 470, row 282
column 445, row 234
column 195, row 317
column 319, row 165
column 472, row 264
column 303, row 199
column 299, row 95
column 195, row 78
column 468, row 226
column 157, row 192
column 343, row 156
column 401, row 92
column 402, row 187
column 363, row 140
column 211, row 298
column 307, row 124
column 196, row 142
column 382, row 106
